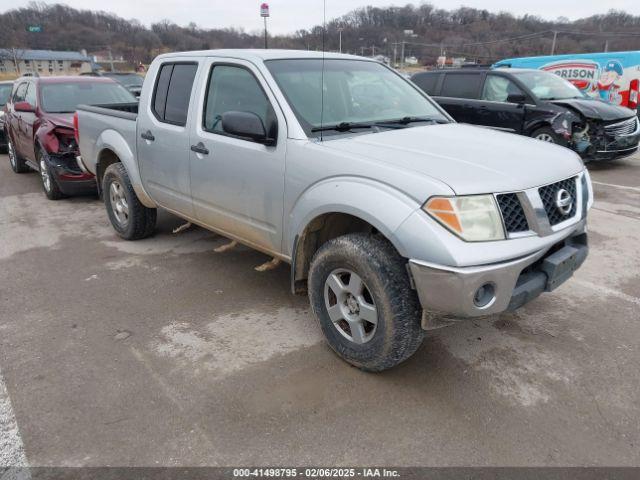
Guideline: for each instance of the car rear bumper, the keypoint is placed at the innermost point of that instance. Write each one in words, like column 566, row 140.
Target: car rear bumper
column 465, row 292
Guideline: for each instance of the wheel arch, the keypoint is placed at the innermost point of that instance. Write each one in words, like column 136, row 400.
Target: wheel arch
column 314, row 221
column 111, row 148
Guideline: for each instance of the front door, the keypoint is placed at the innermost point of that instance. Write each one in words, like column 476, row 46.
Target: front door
column 495, row 109
column 28, row 119
column 163, row 137
column 237, row 184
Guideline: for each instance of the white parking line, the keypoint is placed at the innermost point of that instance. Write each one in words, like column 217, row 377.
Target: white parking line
column 623, row 187
column 11, row 446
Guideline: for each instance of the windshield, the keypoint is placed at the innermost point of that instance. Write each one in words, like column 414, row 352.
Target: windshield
column 5, row 91
column 355, row 92
column 65, row 97
column 131, row 80
column 549, row 86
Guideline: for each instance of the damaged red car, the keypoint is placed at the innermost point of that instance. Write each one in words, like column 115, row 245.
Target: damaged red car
column 40, row 132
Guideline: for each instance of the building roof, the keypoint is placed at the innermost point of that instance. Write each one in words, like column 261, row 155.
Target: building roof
column 45, row 55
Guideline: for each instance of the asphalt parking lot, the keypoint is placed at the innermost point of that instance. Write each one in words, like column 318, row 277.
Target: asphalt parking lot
column 162, row 352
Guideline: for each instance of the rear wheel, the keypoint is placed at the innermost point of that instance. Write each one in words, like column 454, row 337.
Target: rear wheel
column 130, row 218
column 17, row 164
column 360, row 293
column 545, row 134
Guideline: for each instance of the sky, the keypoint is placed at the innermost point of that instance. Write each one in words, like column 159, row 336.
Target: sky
column 290, row 15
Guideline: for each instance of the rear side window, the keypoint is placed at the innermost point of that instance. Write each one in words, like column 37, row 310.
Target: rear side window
column 173, row 91
column 427, row 82
column 461, row 85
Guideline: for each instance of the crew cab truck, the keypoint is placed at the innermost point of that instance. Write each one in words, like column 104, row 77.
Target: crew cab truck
column 393, row 218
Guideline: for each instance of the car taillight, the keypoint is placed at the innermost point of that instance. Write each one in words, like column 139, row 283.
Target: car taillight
column 76, row 130
column 634, row 88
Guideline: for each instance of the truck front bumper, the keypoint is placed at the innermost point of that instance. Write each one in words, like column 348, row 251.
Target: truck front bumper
column 463, row 292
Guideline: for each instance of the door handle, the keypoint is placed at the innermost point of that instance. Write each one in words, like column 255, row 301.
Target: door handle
column 200, row 148
column 148, row 136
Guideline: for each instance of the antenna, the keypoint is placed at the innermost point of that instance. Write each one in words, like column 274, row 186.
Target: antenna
column 324, row 29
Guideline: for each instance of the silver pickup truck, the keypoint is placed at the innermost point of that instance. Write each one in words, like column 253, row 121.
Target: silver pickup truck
column 394, row 218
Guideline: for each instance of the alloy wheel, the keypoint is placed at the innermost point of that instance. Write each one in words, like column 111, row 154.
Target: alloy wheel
column 545, row 137
column 44, row 173
column 350, row 306
column 119, row 204
column 12, row 154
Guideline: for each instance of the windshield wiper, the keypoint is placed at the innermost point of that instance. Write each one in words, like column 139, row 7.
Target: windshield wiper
column 342, row 127
column 405, row 121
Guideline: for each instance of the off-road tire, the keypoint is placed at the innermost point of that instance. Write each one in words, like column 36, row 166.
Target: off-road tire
column 398, row 334
column 142, row 220
column 53, row 192
column 18, row 164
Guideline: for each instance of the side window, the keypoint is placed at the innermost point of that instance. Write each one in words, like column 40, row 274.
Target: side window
column 31, row 94
column 20, row 93
column 461, row 85
column 427, row 82
column 498, row 88
column 173, row 91
column 235, row 89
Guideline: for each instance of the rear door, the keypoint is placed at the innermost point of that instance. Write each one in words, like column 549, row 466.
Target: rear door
column 15, row 118
column 238, row 184
column 459, row 94
column 494, row 108
column 163, row 136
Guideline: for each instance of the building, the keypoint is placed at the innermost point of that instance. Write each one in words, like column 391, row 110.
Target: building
column 43, row 62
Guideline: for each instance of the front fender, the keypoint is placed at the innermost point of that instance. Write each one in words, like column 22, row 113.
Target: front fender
column 112, row 141
column 381, row 205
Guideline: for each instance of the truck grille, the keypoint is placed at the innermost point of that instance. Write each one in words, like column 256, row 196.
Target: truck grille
column 627, row 127
column 512, row 213
column 549, row 194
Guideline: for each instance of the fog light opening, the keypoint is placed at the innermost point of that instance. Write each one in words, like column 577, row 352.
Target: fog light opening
column 485, row 295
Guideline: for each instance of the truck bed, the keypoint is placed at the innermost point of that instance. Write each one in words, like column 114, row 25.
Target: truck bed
column 110, row 127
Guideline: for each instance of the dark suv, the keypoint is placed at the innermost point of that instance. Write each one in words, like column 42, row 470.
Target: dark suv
column 5, row 93
column 40, row 133
column 537, row 104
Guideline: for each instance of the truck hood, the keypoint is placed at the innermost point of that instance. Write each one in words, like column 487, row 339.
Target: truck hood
column 596, row 109
column 470, row 160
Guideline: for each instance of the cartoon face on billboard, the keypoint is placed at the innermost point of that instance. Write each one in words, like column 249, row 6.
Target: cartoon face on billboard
column 608, row 82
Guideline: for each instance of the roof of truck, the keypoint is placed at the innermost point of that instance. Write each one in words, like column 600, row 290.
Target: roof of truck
column 263, row 54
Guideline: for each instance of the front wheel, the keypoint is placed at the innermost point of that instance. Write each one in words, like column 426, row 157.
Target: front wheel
column 545, row 134
column 130, row 218
column 361, row 295
column 49, row 182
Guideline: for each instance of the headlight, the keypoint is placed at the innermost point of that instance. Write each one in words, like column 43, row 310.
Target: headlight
column 474, row 218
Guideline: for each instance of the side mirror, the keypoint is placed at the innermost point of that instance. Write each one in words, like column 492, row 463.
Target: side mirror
column 518, row 98
column 24, row 107
column 246, row 124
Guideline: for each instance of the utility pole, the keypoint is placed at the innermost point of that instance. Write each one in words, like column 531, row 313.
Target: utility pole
column 395, row 54
column 402, row 56
column 606, row 45
column 110, row 58
column 553, row 45
column 340, row 39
